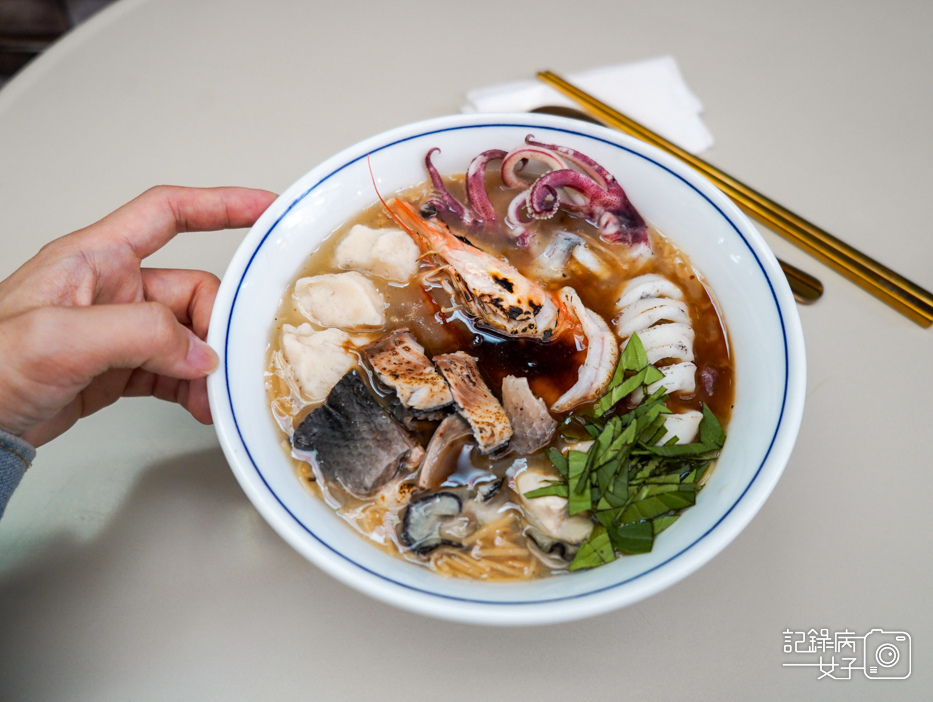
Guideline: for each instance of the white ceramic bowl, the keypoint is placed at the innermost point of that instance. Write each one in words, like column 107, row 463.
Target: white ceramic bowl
column 743, row 274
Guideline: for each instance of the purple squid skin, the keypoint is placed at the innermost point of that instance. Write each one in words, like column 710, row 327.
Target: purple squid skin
column 606, row 202
column 447, row 201
column 515, row 161
column 478, row 209
column 601, row 199
column 476, row 184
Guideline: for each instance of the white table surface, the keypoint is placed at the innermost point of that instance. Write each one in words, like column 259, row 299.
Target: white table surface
column 132, row 566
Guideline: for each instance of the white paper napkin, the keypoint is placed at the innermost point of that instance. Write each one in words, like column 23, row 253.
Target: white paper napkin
column 651, row 92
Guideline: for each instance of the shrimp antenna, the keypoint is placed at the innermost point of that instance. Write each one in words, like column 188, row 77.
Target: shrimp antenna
column 372, row 177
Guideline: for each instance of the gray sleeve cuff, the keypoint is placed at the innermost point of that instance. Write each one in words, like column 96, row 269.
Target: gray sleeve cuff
column 15, row 457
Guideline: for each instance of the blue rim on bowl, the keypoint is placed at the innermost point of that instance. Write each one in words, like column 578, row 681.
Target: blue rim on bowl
column 316, row 537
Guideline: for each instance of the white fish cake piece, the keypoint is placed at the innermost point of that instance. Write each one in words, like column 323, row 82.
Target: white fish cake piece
column 386, row 253
column 318, row 359
column 341, row 300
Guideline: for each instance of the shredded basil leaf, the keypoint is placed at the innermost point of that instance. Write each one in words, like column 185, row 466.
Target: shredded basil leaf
column 559, row 461
column 579, row 498
column 659, row 524
column 558, row 489
column 633, row 538
column 595, row 551
column 655, row 505
column 634, row 357
column 634, row 486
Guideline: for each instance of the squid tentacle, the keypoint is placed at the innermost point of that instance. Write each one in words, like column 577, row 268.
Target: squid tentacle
column 588, row 165
column 573, row 181
column 605, row 200
column 516, row 160
column 544, row 200
column 446, row 201
column 518, row 217
column 478, row 209
column 476, row 185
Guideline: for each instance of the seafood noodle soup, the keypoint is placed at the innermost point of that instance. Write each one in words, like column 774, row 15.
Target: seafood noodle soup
column 505, row 374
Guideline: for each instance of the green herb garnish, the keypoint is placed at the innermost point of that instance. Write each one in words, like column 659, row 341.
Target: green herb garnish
column 595, row 552
column 634, row 486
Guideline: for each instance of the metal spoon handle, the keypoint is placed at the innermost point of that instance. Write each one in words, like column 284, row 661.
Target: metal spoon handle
column 807, row 289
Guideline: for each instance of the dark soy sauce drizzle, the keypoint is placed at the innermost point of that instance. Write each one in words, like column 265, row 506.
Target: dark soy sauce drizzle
column 551, row 367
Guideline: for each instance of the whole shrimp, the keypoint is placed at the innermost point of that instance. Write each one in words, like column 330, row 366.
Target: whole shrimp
column 491, row 290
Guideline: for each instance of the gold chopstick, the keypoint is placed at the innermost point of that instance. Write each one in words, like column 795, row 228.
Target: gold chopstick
column 892, row 288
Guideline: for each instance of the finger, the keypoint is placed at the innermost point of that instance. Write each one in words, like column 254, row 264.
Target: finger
column 111, row 386
column 196, row 401
column 188, row 294
column 69, row 347
column 151, row 220
column 60, row 363
column 190, row 394
column 102, row 391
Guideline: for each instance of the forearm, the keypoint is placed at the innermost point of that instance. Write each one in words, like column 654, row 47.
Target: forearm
column 15, row 457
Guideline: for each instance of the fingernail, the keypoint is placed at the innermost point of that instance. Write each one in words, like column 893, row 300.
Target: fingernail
column 201, row 356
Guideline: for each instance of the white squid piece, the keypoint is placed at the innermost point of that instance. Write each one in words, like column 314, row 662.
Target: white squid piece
column 583, row 255
column 648, row 285
column 566, row 249
column 648, row 311
column 652, row 307
column 552, row 263
column 685, row 426
column 678, row 377
column 674, row 341
column 602, row 354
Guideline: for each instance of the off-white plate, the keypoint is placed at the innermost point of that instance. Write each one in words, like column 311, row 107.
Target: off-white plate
column 756, row 304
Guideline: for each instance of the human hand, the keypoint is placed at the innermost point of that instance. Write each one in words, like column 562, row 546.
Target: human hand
column 83, row 324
